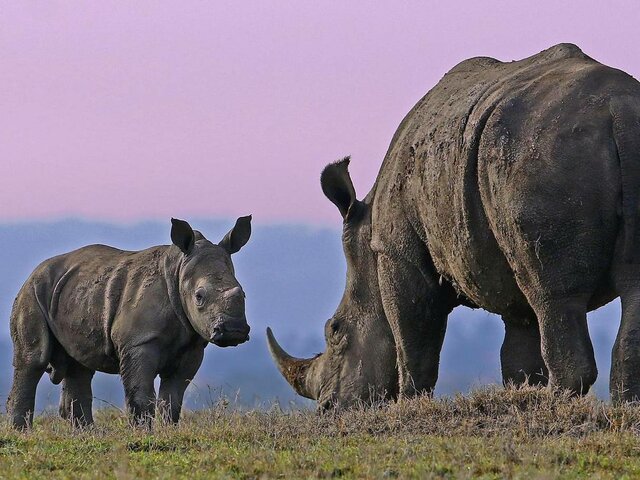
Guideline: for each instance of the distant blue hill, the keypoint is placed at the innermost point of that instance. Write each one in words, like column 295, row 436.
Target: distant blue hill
column 294, row 278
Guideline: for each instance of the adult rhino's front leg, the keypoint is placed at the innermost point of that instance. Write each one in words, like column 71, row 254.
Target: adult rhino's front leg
column 174, row 384
column 138, row 368
column 417, row 314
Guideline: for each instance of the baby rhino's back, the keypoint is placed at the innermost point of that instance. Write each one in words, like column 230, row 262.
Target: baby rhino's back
column 83, row 292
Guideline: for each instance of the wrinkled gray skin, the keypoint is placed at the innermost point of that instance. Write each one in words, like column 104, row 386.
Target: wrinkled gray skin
column 139, row 314
column 513, row 187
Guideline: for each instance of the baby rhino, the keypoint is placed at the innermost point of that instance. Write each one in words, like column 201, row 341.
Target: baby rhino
column 139, row 314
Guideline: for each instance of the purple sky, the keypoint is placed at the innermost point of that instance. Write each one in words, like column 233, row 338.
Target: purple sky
column 131, row 110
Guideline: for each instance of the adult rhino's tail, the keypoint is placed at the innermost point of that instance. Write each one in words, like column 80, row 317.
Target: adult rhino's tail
column 625, row 113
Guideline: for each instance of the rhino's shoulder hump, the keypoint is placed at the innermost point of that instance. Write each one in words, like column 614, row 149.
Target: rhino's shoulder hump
column 564, row 53
column 480, row 65
column 561, row 51
column 475, row 64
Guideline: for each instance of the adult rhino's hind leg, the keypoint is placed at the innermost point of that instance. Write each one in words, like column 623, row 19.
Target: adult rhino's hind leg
column 521, row 355
column 625, row 358
column 76, row 398
column 566, row 346
column 558, row 272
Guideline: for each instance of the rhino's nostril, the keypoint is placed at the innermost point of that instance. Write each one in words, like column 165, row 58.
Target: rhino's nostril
column 230, row 331
column 217, row 332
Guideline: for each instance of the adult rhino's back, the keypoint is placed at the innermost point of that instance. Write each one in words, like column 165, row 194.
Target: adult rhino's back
column 479, row 160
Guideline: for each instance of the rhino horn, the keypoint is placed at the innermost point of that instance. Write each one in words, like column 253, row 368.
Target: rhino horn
column 294, row 370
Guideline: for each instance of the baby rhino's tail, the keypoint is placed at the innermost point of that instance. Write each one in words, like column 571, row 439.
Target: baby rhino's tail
column 34, row 345
column 30, row 332
column 57, row 368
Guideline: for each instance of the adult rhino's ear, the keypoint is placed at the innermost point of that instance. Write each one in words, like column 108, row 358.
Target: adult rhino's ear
column 337, row 187
column 238, row 236
column 182, row 235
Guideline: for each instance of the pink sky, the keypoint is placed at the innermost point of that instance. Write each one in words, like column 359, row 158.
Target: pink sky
column 132, row 110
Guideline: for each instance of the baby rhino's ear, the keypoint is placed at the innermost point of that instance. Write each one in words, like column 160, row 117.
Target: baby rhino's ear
column 182, row 235
column 238, row 236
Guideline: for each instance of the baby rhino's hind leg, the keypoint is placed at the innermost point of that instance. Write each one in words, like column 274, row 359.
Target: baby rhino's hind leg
column 76, row 397
column 31, row 351
column 22, row 397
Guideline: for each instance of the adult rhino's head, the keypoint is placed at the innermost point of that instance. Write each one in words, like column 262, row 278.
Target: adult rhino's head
column 359, row 363
column 211, row 297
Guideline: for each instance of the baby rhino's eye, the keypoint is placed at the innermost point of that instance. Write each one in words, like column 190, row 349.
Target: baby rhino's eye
column 199, row 297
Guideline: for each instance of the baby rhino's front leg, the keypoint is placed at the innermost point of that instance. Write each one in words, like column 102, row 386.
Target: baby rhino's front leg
column 138, row 368
column 174, row 383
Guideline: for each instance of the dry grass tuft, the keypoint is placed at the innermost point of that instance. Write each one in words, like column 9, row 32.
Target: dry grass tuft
column 490, row 411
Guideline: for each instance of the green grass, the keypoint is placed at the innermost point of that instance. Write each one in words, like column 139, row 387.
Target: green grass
column 491, row 433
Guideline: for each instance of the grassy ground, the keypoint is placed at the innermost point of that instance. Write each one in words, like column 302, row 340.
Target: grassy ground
column 491, row 433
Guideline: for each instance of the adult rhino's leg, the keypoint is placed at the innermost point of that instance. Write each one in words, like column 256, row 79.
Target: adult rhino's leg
column 521, row 353
column 418, row 320
column 566, row 346
column 138, row 368
column 558, row 237
column 76, row 398
column 625, row 359
column 558, row 272
column 173, row 386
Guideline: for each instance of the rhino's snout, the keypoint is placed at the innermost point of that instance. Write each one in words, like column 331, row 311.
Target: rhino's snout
column 234, row 302
column 229, row 332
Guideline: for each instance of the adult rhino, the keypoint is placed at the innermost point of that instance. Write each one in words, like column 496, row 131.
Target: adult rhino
column 513, row 187
column 139, row 314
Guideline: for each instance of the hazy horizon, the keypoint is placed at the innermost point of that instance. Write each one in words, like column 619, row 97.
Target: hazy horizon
column 294, row 277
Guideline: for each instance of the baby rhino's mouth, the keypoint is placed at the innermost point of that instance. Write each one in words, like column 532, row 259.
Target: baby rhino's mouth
column 230, row 332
